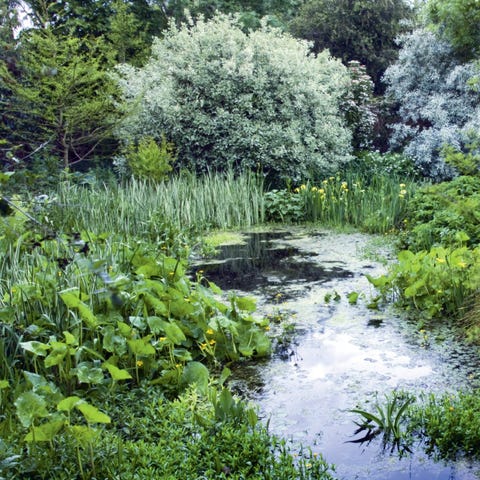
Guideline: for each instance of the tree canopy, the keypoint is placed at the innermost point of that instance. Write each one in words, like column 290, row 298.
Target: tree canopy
column 363, row 30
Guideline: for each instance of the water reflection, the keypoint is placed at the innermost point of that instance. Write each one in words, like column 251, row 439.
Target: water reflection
column 339, row 355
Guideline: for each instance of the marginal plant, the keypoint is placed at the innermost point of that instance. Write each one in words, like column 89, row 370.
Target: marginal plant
column 431, row 283
column 387, row 419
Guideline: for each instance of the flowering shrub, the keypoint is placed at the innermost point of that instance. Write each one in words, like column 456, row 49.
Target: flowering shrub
column 228, row 99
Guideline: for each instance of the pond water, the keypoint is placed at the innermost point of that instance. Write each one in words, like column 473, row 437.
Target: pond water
column 337, row 355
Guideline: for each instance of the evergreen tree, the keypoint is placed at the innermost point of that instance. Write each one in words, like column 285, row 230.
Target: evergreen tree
column 62, row 97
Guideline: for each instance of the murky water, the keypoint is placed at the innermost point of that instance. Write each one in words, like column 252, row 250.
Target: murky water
column 338, row 355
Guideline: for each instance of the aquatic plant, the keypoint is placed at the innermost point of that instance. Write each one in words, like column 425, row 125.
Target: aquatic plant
column 387, row 419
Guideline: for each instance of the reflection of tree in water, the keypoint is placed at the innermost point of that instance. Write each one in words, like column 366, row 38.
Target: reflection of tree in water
column 261, row 263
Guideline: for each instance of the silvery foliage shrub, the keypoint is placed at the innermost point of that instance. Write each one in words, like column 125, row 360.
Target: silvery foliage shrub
column 228, row 99
column 437, row 105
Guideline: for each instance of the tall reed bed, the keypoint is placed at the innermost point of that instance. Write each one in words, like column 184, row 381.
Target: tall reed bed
column 375, row 205
column 184, row 201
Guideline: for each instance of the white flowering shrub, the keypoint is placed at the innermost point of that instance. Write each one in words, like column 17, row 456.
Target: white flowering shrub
column 228, row 99
column 437, row 105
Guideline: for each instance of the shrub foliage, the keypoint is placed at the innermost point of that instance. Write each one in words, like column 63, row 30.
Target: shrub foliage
column 228, row 99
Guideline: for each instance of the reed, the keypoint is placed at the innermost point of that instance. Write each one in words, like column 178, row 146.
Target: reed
column 184, row 201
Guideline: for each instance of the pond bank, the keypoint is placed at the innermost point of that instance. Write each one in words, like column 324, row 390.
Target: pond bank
column 337, row 355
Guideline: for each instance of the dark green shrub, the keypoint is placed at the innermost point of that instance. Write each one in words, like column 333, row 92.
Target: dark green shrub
column 438, row 213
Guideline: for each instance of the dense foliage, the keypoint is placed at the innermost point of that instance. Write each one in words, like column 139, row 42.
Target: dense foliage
column 361, row 30
column 227, row 99
column 457, row 20
column 437, row 106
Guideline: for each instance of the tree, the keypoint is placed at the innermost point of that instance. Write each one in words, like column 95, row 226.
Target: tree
column 278, row 12
column 62, row 97
column 437, row 106
column 458, row 22
column 127, row 26
column 362, row 30
column 228, row 99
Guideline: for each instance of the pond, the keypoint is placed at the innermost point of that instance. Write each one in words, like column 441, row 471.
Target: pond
column 337, row 355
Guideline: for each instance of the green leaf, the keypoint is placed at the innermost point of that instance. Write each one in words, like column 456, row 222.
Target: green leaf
column 353, row 298
column 117, row 373
column 4, row 384
column 30, row 406
column 174, row 333
column 87, row 373
column 196, row 373
column 45, row 432
column 71, row 298
column 141, row 346
column 247, row 304
column 69, row 403
column 92, row 414
column 83, row 434
column 37, row 348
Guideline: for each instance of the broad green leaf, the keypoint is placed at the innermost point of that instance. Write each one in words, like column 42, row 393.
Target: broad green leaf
column 215, row 288
column 117, row 373
column 114, row 343
column 124, row 329
column 196, row 373
column 83, row 434
column 70, row 339
column 181, row 308
column 56, row 356
column 87, row 373
column 37, row 348
column 174, row 333
column 353, row 298
column 4, row 384
column 71, row 298
column 226, row 372
column 158, row 306
column 247, row 304
column 92, row 414
column 69, row 403
column 45, row 432
column 30, row 406
column 141, row 346
column 156, row 324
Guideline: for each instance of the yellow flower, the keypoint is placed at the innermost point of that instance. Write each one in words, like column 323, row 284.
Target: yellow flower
column 344, row 185
column 321, row 191
column 403, row 192
column 162, row 339
column 203, row 346
column 402, row 185
column 267, row 328
column 296, row 190
column 440, row 260
column 303, row 187
column 452, row 409
column 210, row 332
column 314, row 189
column 462, row 264
column 325, row 182
column 139, row 363
column 212, row 342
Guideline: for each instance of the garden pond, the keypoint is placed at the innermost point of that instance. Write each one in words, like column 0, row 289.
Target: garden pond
column 334, row 353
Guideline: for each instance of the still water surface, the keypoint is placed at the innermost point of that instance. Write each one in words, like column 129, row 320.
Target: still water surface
column 338, row 355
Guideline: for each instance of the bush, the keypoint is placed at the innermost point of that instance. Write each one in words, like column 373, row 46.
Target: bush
column 437, row 214
column 150, row 161
column 228, row 99
column 437, row 106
